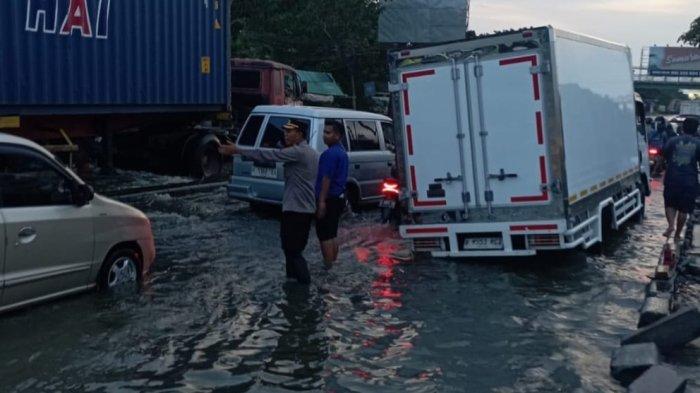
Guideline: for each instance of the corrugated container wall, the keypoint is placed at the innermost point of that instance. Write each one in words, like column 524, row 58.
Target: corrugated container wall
column 113, row 56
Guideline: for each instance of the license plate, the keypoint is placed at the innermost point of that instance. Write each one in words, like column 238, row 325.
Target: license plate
column 268, row 173
column 483, row 243
column 386, row 203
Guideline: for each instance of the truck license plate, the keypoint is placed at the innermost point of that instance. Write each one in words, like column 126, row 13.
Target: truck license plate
column 483, row 243
column 268, row 173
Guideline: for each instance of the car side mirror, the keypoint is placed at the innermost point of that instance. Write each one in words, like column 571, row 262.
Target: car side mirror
column 82, row 195
column 304, row 87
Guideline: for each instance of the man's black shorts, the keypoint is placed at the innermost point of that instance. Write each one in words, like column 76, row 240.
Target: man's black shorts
column 327, row 227
column 680, row 198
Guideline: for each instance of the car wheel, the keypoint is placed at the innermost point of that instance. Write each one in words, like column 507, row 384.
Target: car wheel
column 120, row 271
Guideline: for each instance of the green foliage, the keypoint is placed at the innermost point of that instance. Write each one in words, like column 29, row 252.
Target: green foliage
column 692, row 36
column 338, row 36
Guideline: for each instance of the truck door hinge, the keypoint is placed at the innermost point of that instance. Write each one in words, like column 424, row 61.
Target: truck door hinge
column 555, row 187
column 478, row 71
column 543, row 68
column 466, row 197
column 455, row 74
column 488, row 196
column 397, row 87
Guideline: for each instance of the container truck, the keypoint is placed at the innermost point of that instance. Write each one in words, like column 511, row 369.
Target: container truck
column 80, row 69
column 516, row 143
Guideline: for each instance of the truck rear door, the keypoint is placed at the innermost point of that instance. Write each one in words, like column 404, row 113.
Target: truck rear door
column 431, row 144
column 507, row 108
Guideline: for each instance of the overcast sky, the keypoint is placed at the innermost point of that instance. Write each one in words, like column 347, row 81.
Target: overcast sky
column 636, row 23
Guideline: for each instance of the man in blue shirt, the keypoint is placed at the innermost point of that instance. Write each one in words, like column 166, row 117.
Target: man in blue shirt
column 682, row 155
column 330, row 190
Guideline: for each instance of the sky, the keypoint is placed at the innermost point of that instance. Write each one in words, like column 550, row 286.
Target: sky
column 635, row 23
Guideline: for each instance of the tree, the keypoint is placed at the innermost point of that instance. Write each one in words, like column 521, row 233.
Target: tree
column 338, row 36
column 692, row 36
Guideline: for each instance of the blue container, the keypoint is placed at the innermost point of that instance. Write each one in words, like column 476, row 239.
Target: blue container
column 114, row 56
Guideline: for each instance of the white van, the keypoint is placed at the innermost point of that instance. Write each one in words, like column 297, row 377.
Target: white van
column 369, row 141
column 57, row 237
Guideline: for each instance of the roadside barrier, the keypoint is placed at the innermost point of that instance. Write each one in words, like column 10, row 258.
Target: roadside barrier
column 664, row 325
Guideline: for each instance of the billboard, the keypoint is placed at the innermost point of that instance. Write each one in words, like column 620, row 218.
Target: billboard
column 423, row 21
column 669, row 61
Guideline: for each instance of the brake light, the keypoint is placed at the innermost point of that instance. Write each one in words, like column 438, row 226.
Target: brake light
column 390, row 188
column 653, row 151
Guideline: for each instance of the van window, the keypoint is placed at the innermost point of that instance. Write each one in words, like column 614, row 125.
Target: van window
column 250, row 132
column 363, row 135
column 344, row 139
column 245, row 79
column 28, row 180
column 274, row 134
column 389, row 137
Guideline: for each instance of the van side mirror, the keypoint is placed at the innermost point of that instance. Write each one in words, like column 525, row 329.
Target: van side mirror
column 304, row 87
column 82, row 195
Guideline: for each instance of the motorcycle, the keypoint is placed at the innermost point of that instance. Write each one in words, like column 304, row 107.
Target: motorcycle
column 656, row 162
column 389, row 205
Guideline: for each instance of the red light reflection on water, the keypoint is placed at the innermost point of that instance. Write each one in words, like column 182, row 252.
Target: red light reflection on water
column 383, row 337
column 388, row 298
column 362, row 254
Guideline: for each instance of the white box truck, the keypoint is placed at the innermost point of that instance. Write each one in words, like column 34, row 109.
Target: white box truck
column 515, row 143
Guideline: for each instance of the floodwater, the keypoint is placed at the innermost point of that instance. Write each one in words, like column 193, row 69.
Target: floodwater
column 217, row 314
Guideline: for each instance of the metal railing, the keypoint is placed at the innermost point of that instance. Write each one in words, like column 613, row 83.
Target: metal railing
column 642, row 75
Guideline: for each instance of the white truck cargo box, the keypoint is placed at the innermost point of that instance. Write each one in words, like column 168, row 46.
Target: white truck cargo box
column 516, row 143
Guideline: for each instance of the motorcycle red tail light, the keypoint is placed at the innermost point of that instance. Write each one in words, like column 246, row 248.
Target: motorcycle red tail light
column 390, row 188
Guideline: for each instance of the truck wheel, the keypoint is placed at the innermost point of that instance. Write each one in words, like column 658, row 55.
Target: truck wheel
column 606, row 218
column 206, row 161
column 639, row 217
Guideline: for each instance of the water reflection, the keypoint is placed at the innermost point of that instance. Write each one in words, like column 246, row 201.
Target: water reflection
column 298, row 358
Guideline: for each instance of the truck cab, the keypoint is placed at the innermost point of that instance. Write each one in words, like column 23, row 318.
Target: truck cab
column 262, row 82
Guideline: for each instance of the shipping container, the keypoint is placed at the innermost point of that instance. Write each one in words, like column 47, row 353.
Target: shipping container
column 122, row 56
column 150, row 77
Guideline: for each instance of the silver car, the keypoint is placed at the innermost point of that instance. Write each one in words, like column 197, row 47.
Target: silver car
column 369, row 141
column 58, row 237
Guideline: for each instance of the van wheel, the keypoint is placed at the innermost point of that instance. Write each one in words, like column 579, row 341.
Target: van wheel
column 120, row 272
column 353, row 199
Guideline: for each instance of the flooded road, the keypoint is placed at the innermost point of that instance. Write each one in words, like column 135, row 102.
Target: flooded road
column 218, row 315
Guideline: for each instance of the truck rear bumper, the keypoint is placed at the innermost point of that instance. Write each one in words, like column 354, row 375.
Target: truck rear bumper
column 488, row 239
column 497, row 239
